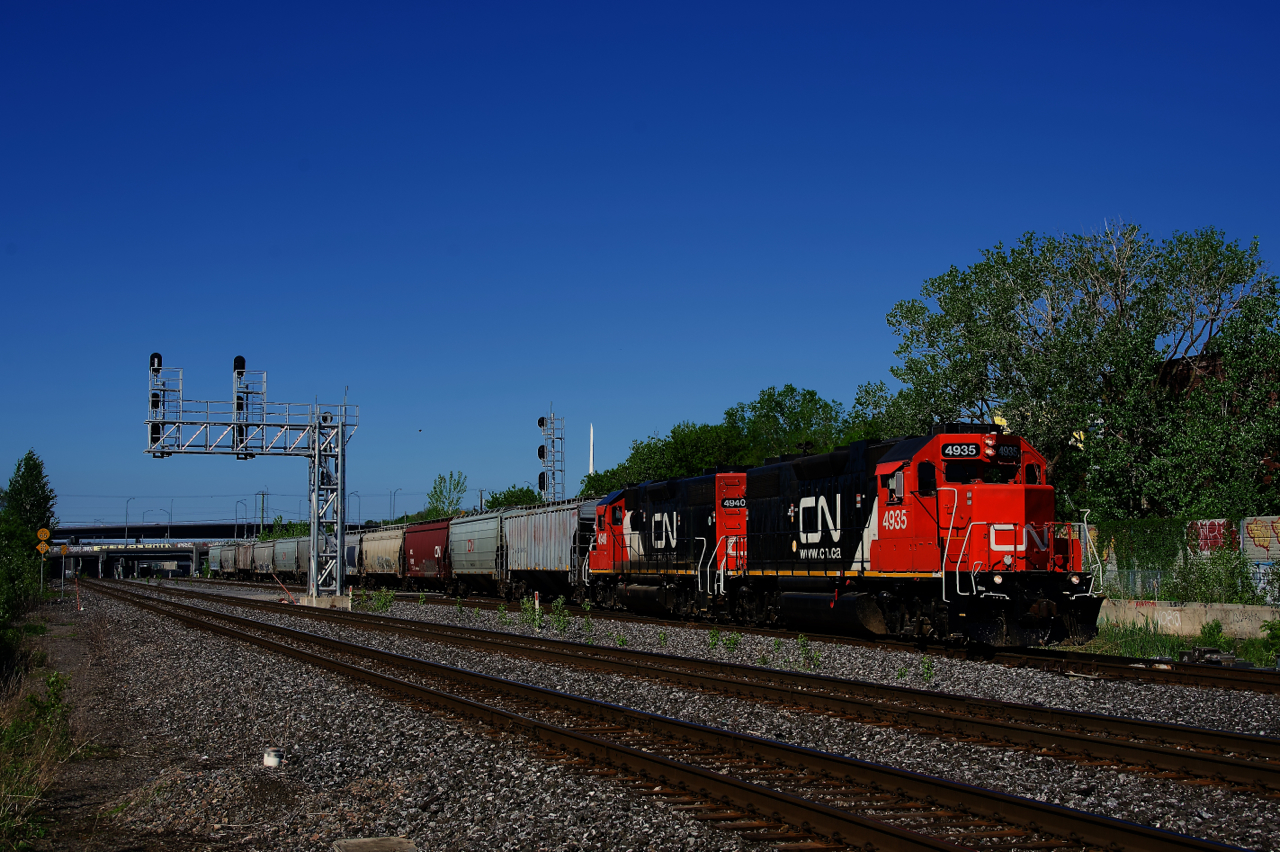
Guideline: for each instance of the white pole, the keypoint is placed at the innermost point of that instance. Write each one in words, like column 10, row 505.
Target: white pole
column 591, row 454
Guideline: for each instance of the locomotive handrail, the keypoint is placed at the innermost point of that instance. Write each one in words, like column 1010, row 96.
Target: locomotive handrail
column 947, row 549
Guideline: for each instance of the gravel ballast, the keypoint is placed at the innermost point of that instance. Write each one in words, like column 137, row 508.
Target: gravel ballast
column 1214, row 813
column 357, row 764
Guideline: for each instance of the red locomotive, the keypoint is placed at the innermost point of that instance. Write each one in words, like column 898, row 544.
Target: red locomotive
column 946, row 536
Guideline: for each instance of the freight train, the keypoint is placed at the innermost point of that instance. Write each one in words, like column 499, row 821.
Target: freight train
column 947, row 536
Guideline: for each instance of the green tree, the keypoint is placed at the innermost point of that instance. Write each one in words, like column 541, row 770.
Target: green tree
column 29, row 499
column 516, row 495
column 29, row 507
column 778, row 421
column 445, row 498
column 1134, row 365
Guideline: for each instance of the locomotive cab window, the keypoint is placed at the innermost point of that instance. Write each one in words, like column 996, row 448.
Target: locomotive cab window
column 600, row 521
column 1033, row 474
column 617, row 515
column 926, row 479
column 892, row 482
column 962, row 472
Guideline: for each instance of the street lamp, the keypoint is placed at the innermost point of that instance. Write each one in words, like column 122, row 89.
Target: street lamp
column 126, row 518
column 393, row 503
column 246, row 517
column 356, row 494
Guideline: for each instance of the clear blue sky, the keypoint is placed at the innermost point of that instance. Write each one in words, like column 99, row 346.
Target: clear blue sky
column 645, row 212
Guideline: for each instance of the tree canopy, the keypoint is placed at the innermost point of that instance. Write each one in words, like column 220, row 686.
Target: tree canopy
column 778, row 421
column 1146, row 371
column 516, row 495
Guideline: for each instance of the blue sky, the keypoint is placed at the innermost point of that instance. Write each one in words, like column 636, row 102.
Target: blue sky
column 645, row 212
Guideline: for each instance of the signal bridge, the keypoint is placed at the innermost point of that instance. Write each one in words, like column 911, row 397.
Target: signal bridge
column 247, row 426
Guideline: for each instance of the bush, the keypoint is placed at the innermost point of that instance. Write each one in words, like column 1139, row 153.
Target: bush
column 1224, row 576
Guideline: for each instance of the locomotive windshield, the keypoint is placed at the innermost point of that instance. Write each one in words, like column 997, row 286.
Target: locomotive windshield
column 969, row 472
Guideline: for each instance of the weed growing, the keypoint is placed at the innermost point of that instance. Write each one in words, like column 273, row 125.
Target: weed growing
column 809, row 656
column 662, row 638
column 531, row 614
column 422, row 598
column 382, row 600
column 713, row 638
column 503, row 618
column 34, row 737
column 732, row 641
column 621, row 640
column 926, row 669
column 559, row 615
column 458, row 603
column 587, row 626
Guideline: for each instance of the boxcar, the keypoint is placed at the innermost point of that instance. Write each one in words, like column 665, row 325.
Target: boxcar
column 382, row 552
column 215, row 561
column 427, row 555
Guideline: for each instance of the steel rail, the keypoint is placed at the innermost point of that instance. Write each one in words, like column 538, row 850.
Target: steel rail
column 1175, row 748
column 1082, row 828
column 1200, row 675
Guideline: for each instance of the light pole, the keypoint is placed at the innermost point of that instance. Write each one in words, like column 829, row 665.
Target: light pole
column 144, row 520
column 169, row 529
column 246, row 517
column 393, row 503
column 356, row 494
column 126, row 518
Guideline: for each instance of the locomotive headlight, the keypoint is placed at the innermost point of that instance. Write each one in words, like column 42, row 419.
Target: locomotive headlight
column 989, row 441
column 1075, row 579
column 991, row 452
column 997, row 578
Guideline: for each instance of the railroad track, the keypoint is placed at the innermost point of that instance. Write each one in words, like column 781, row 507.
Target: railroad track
column 784, row 795
column 1070, row 663
column 1160, row 749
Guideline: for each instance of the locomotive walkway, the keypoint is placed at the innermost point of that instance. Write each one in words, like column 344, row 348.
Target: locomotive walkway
column 790, row 797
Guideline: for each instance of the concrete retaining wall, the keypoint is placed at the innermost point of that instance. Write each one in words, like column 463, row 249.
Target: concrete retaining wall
column 1186, row 619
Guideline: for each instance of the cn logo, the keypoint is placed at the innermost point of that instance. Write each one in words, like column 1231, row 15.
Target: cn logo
column 437, row 551
column 603, row 539
column 820, row 504
column 471, row 545
column 895, row 519
column 664, row 530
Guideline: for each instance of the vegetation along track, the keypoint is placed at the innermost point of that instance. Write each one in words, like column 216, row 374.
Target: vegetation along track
column 788, row 796
column 1167, row 750
column 1045, row 659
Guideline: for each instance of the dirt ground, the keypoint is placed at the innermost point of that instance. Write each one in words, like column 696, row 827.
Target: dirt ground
column 116, row 754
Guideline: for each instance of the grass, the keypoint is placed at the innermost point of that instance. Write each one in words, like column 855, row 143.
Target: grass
column 34, row 737
column 1146, row 639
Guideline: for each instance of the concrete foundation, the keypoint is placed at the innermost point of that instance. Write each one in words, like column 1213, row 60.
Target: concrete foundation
column 1186, row 619
column 326, row 601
